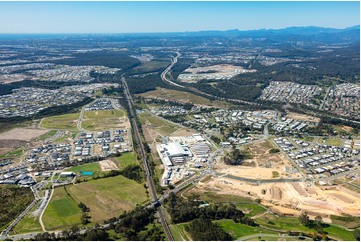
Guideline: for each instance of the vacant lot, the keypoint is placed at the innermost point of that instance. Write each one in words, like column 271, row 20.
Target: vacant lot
column 126, row 159
column 86, row 167
column 158, row 125
column 28, row 224
column 303, row 117
column 108, row 197
column 215, row 72
column 104, row 119
column 61, row 212
column 185, row 97
column 108, row 165
column 22, row 134
column 65, row 121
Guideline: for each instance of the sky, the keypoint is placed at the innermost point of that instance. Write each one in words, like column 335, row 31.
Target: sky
column 135, row 17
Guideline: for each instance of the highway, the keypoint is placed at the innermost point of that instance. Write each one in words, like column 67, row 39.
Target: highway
column 138, row 140
column 166, row 80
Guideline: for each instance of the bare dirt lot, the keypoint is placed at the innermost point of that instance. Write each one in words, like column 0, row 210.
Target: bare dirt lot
column 262, row 165
column 289, row 198
column 222, row 71
column 22, row 134
column 108, row 165
column 284, row 198
column 303, row 117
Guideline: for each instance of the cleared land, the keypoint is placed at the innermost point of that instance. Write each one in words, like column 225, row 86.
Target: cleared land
column 104, row 119
column 108, row 165
column 265, row 165
column 65, row 121
column 108, row 197
column 126, row 159
column 22, row 134
column 185, row 97
column 62, row 211
column 303, row 117
column 214, row 72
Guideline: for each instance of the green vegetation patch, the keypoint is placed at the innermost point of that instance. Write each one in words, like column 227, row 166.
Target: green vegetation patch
column 126, row 159
column 13, row 201
column 238, row 230
column 65, row 121
column 108, row 197
column 346, row 221
column 163, row 126
column 102, row 119
column 94, row 167
column 62, row 211
column 49, row 134
column 293, row 224
column 250, row 209
column 29, row 223
column 334, row 142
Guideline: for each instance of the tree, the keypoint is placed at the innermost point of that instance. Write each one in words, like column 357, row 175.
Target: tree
column 304, row 219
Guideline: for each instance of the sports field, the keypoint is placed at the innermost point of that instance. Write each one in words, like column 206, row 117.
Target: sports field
column 108, row 197
column 65, row 121
column 61, row 212
column 103, row 119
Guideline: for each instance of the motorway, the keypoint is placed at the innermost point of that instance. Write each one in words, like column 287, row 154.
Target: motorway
column 137, row 136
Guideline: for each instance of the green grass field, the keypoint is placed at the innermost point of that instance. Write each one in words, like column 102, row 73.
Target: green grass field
column 49, row 134
column 103, row 119
column 293, row 224
column 163, row 126
column 94, row 167
column 251, row 209
column 65, row 121
column 151, row 66
column 61, row 212
column 126, row 159
column 184, row 96
column 108, row 197
column 334, row 142
column 14, row 153
column 238, row 230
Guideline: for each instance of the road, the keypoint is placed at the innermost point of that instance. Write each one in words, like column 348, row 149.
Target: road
column 138, row 140
column 166, row 80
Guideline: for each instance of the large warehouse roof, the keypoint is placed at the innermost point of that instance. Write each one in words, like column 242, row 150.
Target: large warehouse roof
column 175, row 149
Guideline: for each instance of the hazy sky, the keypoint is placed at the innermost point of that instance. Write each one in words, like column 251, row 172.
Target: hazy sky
column 127, row 17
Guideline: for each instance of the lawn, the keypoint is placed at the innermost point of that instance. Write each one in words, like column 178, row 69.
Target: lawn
column 238, row 230
column 108, row 197
column 102, row 119
column 14, row 153
column 126, row 159
column 94, row 166
column 65, row 121
column 250, row 209
column 293, row 224
column 62, row 211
